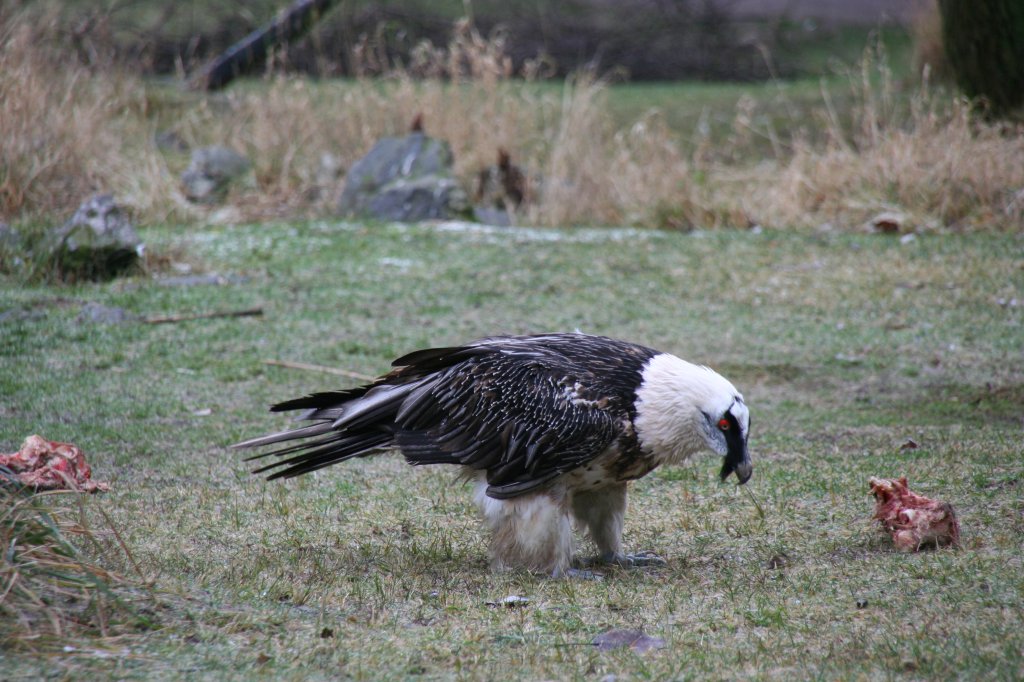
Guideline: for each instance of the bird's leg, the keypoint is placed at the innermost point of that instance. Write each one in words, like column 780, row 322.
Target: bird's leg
column 531, row 532
column 602, row 511
column 578, row 574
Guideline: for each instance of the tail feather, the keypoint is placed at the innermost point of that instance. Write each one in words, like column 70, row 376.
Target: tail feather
column 379, row 405
column 289, row 449
column 346, row 424
column 289, row 434
column 304, row 452
column 327, row 399
column 324, row 452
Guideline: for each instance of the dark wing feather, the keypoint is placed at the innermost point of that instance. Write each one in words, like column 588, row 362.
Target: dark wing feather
column 525, row 410
column 346, row 424
column 315, row 401
column 432, row 359
column 324, row 452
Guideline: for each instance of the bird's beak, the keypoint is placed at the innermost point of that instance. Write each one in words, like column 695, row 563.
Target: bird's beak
column 737, row 461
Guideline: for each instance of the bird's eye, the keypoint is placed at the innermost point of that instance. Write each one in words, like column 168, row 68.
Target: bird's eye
column 723, row 424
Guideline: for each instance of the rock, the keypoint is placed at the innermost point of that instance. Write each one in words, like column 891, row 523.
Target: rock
column 97, row 313
column 430, row 197
column 210, row 172
column 98, row 242
column 488, row 215
column 407, row 179
column 888, row 222
column 199, row 188
column 512, row 601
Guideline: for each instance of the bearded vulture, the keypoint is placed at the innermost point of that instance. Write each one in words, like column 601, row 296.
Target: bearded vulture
column 552, row 428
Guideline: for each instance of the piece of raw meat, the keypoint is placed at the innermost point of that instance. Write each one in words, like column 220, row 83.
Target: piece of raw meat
column 47, row 465
column 913, row 520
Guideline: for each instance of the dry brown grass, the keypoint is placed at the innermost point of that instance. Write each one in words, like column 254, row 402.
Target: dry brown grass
column 66, row 131
column 931, row 160
column 465, row 96
column 61, row 134
column 49, row 590
column 946, row 172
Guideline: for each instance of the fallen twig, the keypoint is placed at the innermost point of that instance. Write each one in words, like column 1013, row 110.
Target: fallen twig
column 164, row 319
column 320, row 368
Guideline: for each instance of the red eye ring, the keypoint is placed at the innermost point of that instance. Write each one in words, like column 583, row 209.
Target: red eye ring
column 723, row 424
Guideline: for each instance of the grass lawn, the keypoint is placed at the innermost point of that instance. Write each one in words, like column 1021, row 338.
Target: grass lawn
column 846, row 346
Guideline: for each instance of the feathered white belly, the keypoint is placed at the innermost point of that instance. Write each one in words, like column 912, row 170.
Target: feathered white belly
column 532, row 531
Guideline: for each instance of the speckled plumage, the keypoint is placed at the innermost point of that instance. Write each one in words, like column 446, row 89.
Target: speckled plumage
column 545, row 424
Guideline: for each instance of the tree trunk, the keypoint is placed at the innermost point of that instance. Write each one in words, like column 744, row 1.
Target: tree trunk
column 251, row 51
column 984, row 42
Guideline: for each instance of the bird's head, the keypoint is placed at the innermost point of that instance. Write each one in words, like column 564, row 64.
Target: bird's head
column 682, row 409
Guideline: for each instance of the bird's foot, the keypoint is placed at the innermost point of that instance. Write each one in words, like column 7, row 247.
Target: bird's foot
column 638, row 560
column 578, row 574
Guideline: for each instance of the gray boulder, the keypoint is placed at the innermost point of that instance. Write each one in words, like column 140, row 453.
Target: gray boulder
column 98, row 242
column 407, row 179
column 211, row 170
column 488, row 215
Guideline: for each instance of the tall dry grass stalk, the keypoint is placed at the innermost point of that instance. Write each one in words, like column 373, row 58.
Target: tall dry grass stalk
column 66, row 131
column 933, row 161
column 49, row 591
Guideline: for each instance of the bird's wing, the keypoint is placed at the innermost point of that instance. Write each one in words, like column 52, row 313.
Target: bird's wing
column 524, row 415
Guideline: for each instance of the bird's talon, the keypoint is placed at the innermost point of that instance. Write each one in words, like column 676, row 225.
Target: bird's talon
column 646, row 559
column 579, row 574
column 638, row 560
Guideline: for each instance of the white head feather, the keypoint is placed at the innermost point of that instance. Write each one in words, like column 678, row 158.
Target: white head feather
column 675, row 401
